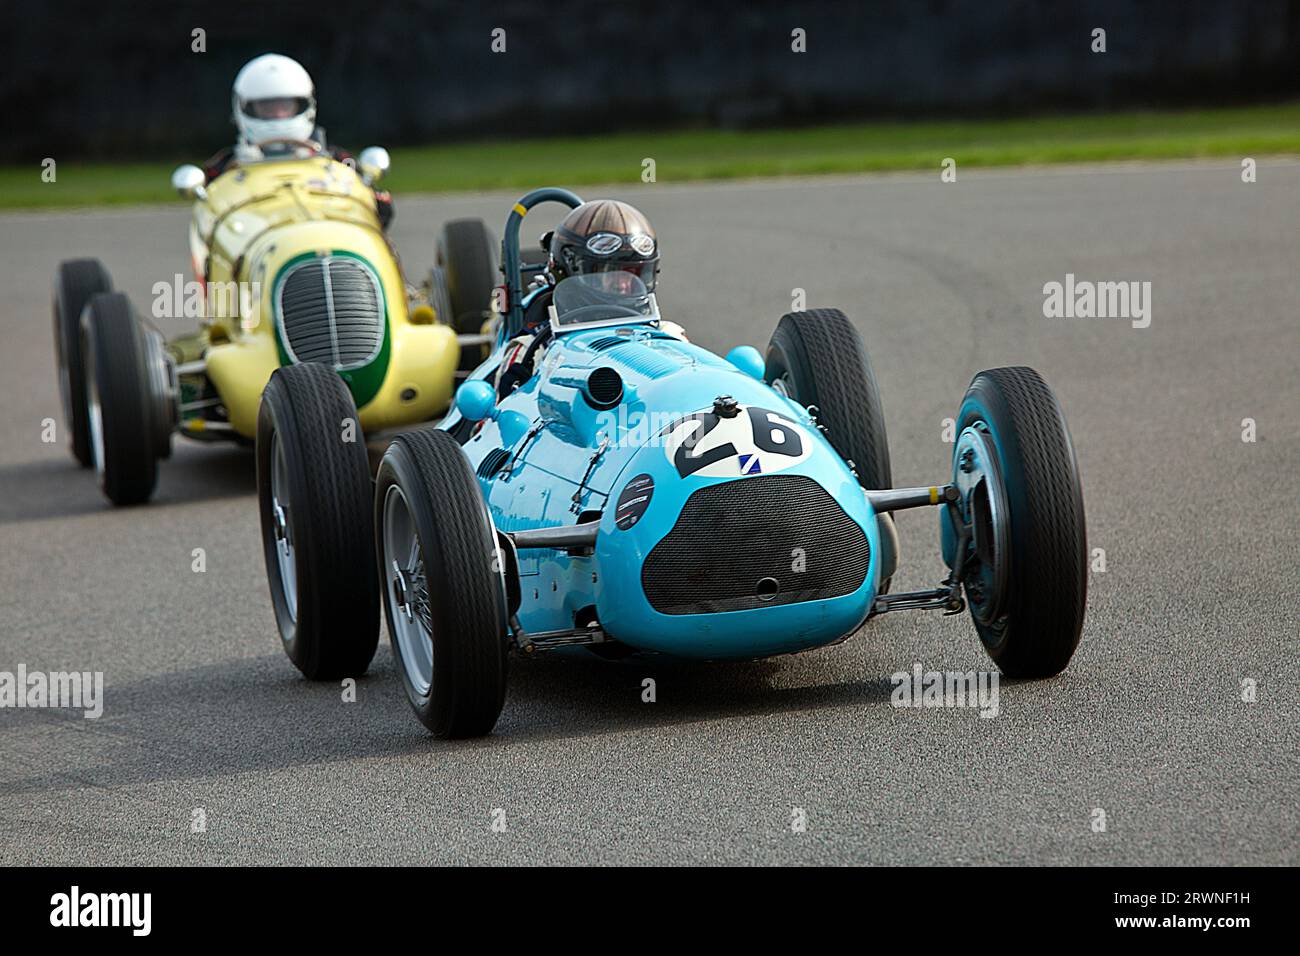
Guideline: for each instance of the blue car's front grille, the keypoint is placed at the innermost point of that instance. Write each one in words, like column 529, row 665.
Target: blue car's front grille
column 756, row 542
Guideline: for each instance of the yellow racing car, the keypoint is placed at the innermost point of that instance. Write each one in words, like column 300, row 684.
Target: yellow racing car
column 292, row 265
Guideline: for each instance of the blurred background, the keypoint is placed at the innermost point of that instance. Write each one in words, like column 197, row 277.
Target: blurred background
column 84, row 79
column 85, row 82
column 1147, row 723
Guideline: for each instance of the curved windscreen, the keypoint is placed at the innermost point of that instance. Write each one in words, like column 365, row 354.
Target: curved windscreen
column 602, row 298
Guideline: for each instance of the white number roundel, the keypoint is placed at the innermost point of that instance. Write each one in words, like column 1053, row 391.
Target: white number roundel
column 756, row 441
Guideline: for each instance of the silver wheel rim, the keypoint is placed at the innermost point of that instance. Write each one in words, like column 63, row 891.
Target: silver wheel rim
column 65, row 376
column 407, row 592
column 976, row 470
column 280, row 505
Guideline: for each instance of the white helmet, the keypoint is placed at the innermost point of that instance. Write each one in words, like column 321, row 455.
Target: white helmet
column 273, row 98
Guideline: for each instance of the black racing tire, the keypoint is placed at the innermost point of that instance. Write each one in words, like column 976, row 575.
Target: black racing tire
column 451, row 647
column 318, row 544
column 1043, row 602
column 119, row 404
column 439, row 297
column 819, row 358
column 76, row 282
column 467, row 252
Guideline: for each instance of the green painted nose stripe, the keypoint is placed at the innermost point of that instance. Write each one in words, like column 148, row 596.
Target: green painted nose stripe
column 365, row 381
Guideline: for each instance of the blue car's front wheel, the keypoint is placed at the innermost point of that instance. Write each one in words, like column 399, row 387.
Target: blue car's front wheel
column 1025, row 561
column 443, row 588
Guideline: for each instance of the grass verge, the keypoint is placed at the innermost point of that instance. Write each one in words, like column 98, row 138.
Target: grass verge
column 715, row 154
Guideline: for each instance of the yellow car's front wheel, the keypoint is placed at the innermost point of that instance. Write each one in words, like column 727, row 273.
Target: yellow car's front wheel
column 313, row 489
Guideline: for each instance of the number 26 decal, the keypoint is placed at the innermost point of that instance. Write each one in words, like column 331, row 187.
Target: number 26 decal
column 759, row 441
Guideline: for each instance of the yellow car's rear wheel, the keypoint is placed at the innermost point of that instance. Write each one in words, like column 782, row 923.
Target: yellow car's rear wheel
column 77, row 281
column 467, row 261
column 123, row 417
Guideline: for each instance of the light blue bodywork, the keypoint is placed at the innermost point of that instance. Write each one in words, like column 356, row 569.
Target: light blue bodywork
column 551, row 434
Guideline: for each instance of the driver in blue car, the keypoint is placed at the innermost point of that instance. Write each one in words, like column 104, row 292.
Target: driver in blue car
column 603, row 235
column 273, row 104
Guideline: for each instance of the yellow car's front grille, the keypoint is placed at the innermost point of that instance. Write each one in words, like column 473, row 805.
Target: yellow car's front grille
column 330, row 311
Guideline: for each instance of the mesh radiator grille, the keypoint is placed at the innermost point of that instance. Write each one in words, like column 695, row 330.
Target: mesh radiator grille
column 331, row 312
column 756, row 542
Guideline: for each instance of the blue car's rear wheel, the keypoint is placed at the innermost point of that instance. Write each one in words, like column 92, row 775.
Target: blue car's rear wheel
column 817, row 358
column 1025, row 567
column 443, row 586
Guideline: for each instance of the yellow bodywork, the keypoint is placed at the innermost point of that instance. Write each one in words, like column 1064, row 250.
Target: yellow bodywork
column 260, row 218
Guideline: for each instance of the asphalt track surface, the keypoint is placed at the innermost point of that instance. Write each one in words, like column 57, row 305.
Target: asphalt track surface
column 1199, row 528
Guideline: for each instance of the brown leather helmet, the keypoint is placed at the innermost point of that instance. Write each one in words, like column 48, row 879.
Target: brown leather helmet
column 605, row 235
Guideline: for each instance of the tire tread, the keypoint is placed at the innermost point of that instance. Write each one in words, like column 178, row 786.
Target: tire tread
column 1048, row 580
column 78, row 280
column 845, row 392
column 338, row 592
column 130, row 463
column 470, row 657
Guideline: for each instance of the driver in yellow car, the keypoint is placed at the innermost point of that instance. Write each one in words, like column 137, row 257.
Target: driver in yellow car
column 273, row 104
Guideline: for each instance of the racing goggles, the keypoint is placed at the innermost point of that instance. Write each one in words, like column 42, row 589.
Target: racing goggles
column 610, row 252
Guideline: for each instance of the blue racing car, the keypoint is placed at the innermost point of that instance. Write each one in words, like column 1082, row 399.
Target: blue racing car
column 634, row 493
